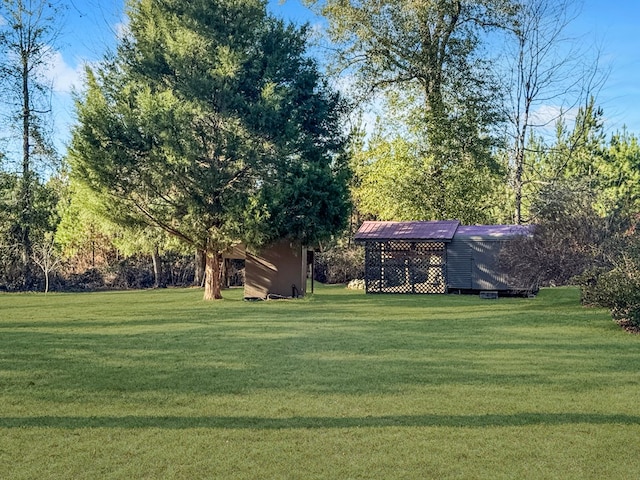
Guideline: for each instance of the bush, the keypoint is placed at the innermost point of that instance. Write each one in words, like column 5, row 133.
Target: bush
column 568, row 239
column 617, row 288
column 132, row 273
column 88, row 280
column 340, row 264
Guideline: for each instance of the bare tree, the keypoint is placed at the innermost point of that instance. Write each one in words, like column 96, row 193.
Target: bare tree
column 569, row 238
column 26, row 48
column 45, row 255
column 550, row 76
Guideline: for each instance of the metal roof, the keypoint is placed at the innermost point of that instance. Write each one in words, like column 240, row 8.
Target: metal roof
column 441, row 230
column 497, row 232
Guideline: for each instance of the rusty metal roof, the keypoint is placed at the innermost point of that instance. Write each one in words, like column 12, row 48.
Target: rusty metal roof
column 440, row 230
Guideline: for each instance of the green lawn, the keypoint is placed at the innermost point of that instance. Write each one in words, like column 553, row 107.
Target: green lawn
column 159, row 384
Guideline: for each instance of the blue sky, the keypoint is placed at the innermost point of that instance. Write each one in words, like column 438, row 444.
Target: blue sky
column 613, row 26
column 610, row 27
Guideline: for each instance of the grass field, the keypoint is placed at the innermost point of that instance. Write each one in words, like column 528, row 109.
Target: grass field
column 159, row 384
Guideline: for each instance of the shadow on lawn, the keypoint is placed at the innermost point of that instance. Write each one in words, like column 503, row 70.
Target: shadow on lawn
column 260, row 423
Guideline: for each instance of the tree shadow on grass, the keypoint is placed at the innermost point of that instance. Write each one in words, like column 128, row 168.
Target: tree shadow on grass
column 263, row 423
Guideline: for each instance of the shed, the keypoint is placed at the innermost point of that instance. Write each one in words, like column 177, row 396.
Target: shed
column 279, row 270
column 406, row 257
column 473, row 258
column 435, row 256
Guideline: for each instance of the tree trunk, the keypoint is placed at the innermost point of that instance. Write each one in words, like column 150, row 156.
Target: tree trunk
column 212, row 283
column 198, row 278
column 519, row 171
column 25, row 194
column 517, row 186
column 224, row 274
column 157, row 269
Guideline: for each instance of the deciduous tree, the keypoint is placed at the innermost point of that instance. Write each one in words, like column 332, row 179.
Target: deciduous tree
column 569, row 237
column 396, row 182
column 46, row 256
column 27, row 37
column 549, row 77
column 423, row 57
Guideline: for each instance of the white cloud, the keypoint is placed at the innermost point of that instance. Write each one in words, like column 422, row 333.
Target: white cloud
column 64, row 78
column 122, row 29
column 548, row 115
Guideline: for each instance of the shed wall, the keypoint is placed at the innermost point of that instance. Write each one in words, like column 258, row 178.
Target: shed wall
column 280, row 269
column 474, row 265
column 459, row 265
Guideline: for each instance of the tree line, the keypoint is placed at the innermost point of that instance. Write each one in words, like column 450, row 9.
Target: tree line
column 213, row 123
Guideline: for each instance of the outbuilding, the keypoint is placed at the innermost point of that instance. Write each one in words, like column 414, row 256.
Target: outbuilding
column 436, row 257
column 277, row 271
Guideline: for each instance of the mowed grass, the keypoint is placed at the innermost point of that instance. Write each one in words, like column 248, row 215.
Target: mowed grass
column 159, row 384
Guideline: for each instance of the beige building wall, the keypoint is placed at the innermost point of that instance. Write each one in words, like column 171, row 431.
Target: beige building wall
column 276, row 270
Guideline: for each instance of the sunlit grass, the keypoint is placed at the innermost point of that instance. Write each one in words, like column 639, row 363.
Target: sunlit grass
column 159, row 384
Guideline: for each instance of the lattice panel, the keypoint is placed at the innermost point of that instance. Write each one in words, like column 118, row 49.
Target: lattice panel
column 405, row 267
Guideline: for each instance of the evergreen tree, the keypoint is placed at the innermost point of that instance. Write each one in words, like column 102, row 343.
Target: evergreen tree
column 212, row 123
column 619, row 175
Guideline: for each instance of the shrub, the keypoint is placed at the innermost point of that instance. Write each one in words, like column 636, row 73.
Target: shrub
column 132, row 272
column 618, row 287
column 88, row 280
column 618, row 290
column 339, row 264
column 569, row 238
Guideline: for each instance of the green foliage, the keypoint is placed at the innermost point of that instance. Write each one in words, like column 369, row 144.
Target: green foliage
column 80, row 225
column 396, row 181
column 42, row 219
column 88, row 237
column 86, row 220
column 433, row 159
column 574, row 154
column 28, row 34
column 213, row 124
column 10, row 271
column 617, row 290
column 617, row 286
column 339, row 264
column 580, row 151
column 427, row 43
column 583, row 154
column 619, row 174
column 547, row 74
